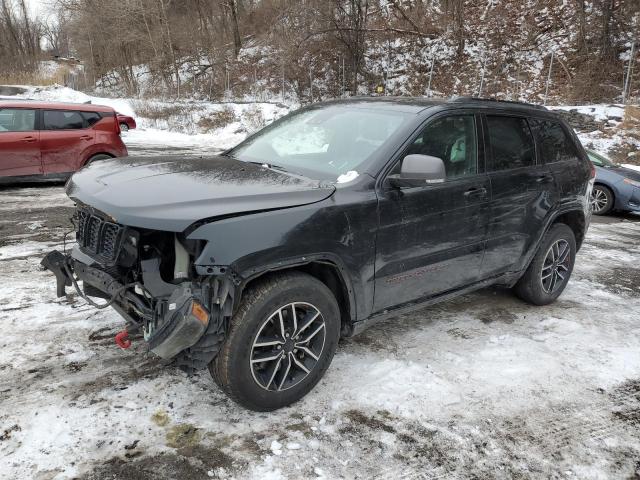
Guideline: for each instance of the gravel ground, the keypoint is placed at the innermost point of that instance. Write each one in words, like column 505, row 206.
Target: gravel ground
column 482, row 386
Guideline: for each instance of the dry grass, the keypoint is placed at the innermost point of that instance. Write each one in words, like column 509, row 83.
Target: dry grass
column 30, row 78
column 155, row 111
column 168, row 116
column 631, row 120
column 253, row 119
column 36, row 77
column 218, row 119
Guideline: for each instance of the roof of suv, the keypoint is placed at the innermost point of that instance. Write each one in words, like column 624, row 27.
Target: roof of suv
column 83, row 107
column 418, row 104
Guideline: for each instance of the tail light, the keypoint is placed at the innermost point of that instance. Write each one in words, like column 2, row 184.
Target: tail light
column 115, row 118
column 593, row 170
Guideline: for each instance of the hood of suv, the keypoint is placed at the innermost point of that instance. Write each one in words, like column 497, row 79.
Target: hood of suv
column 171, row 193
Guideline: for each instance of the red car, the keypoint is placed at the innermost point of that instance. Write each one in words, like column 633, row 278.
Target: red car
column 126, row 122
column 49, row 141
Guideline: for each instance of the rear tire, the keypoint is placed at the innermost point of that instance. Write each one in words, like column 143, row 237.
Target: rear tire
column 274, row 321
column 550, row 269
column 602, row 200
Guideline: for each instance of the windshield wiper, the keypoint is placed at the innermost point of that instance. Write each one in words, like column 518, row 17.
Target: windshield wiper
column 272, row 166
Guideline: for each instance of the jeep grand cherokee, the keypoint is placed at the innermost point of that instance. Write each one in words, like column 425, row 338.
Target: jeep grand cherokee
column 255, row 262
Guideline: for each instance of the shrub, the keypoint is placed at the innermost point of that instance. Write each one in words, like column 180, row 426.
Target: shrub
column 156, row 111
column 217, row 119
column 253, row 119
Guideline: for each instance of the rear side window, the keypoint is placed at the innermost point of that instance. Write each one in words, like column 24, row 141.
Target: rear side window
column 555, row 144
column 62, row 120
column 91, row 117
column 511, row 143
column 17, row 120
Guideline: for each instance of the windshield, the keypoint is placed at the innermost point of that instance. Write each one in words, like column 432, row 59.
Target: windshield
column 599, row 160
column 327, row 143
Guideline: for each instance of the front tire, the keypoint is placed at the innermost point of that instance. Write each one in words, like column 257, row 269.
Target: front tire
column 100, row 156
column 550, row 269
column 124, row 127
column 602, row 200
column 280, row 342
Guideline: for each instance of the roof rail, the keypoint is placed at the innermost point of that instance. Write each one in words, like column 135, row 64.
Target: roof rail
column 492, row 99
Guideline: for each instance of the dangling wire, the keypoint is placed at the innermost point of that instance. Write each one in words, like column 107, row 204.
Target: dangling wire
column 114, row 296
column 64, row 238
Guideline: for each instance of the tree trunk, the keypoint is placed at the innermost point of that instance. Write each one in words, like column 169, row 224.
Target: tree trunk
column 174, row 60
column 237, row 42
column 582, row 25
column 605, row 39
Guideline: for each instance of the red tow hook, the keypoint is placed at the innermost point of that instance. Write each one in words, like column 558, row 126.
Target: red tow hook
column 122, row 339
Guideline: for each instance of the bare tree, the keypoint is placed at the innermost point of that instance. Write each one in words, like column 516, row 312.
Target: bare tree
column 350, row 21
column 19, row 36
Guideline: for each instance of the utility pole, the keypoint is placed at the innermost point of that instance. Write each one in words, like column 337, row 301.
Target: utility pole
column 518, row 83
column 282, row 94
column 626, row 89
column 310, row 82
column 343, row 76
column 546, row 90
column 484, row 64
column 93, row 63
column 386, row 72
column 433, row 60
column 339, row 76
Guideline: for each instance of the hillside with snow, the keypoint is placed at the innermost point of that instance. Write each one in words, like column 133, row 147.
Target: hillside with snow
column 613, row 130
column 209, row 126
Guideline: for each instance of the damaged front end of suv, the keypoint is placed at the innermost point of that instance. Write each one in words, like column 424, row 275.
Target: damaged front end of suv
column 149, row 277
column 139, row 249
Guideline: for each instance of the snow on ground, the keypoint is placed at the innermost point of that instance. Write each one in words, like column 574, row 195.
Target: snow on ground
column 600, row 112
column 58, row 93
column 177, row 131
column 146, row 142
column 480, row 386
column 607, row 134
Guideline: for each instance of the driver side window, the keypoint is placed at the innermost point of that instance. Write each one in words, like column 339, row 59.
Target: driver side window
column 452, row 139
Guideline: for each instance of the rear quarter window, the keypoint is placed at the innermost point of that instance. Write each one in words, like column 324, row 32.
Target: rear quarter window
column 511, row 143
column 62, row 120
column 91, row 118
column 554, row 143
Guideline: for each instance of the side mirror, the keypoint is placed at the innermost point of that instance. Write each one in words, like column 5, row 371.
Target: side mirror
column 418, row 170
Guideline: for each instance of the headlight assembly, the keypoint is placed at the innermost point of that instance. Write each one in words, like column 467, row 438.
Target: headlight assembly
column 635, row 183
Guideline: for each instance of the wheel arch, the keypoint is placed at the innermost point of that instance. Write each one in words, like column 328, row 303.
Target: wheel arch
column 328, row 270
column 94, row 154
column 574, row 217
column 576, row 221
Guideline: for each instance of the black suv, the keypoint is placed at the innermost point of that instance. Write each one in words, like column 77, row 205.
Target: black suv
column 255, row 262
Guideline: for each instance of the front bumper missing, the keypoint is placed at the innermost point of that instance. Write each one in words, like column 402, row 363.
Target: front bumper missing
column 170, row 323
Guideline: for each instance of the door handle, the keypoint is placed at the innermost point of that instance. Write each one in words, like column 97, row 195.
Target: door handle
column 544, row 178
column 85, row 137
column 29, row 139
column 476, row 192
